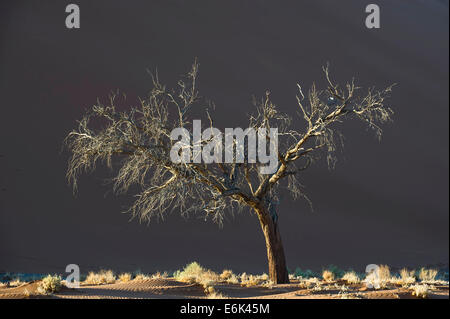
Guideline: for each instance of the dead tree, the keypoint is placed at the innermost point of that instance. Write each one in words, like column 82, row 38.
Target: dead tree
column 141, row 139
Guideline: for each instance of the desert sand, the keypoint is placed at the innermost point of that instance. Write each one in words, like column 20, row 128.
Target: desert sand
column 168, row 288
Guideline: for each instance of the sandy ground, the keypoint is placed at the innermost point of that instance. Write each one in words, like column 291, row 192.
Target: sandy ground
column 172, row 289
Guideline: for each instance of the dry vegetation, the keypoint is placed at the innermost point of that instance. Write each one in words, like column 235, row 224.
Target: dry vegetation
column 16, row 283
column 100, row 278
column 125, row 277
column 327, row 275
column 49, row 285
column 331, row 283
column 420, row 291
column 407, row 277
column 427, row 275
column 194, row 273
column 332, row 279
column 351, row 278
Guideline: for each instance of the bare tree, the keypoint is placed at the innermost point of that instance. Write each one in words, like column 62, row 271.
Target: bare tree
column 140, row 138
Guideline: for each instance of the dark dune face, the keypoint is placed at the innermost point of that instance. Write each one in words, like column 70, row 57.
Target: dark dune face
column 384, row 203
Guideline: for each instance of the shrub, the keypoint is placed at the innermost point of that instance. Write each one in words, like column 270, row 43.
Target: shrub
column 49, row 285
column 190, row 273
column 193, row 272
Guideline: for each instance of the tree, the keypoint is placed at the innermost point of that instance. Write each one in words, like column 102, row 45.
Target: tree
column 141, row 139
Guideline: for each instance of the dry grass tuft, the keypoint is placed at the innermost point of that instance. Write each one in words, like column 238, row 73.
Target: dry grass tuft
column 420, row 291
column 351, row 278
column 405, row 273
column 406, row 277
column 101, row 278
column 427, row 275
column 160, row 275
column 327, row 275
column 125, row 277
column 384, row 273
column 226, row 274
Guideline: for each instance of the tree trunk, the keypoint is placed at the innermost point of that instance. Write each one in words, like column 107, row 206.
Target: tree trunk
column 275, row 252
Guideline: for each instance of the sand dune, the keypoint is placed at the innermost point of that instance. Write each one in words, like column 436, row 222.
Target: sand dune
column 172, row 289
